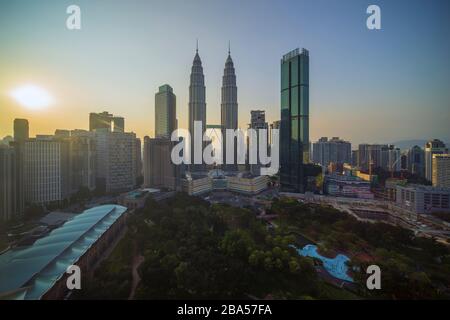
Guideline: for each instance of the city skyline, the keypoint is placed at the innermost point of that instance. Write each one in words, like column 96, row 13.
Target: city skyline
column 210, row 150
column 379, row 67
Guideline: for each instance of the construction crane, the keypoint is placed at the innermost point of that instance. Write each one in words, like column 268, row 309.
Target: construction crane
column 393, row 165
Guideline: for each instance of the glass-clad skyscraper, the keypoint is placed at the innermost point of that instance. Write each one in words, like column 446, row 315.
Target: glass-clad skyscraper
column 229, row 109
column 165, row 112
column 197, row 107
column 294, row 125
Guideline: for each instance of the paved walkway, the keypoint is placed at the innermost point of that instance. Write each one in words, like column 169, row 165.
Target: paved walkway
column 137, row 261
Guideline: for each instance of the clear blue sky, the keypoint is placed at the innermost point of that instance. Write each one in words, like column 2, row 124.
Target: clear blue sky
column 366, row 86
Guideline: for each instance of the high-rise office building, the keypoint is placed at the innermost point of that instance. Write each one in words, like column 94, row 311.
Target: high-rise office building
column 258, row 119
column 390, row 158
column 197, row 106
column 100, row 121
column 416, row 161
column 82, row 159
column 229, row 108
column 138, row 165
column 394, row 159
column 21, row 130
column 441, row 170
column 21, row 134
column 404, row 161
column 258, row 122
column 46, row 170
column 11, row 199
column 115, row 160
column 7, row 140
column 371, row 156
column 62, row 133
column 432, row 147
column 118, row 124
column 332, row 150
column 159, row 171
column 363, row 157
column 165, row 112
column 354, row 162
column 384, row 163
column 105, row 120
column 214, row 135
column 294, row 126
column 273, row 125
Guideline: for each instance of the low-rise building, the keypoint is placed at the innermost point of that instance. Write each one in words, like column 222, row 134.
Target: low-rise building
column 38, row 271
column 420, row 199
column 247, row 183
column 219, row 180
column 242, row 182
column 134, row 199
column 194, row 184
column 347, row 186
column 390, row 188
column 366, row 177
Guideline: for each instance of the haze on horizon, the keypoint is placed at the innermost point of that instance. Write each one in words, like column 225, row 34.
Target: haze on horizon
column 365, row 86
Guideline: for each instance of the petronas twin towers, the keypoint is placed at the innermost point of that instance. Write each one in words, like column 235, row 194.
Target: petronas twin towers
column 197, row 101
column 229, row 105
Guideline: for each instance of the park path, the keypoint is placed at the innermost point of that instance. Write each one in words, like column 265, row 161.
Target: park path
column 137, row 261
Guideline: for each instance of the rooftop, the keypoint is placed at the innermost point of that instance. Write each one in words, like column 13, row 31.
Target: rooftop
column 165, row 88
column 56, row 218
column 422, row 187
column 29, row 272
column 140, row 193
column 294, row 53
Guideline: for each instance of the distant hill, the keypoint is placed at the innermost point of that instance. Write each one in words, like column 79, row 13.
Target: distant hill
column 406, row 144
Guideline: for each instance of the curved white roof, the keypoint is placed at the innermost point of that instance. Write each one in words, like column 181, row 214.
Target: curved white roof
column 28, row 273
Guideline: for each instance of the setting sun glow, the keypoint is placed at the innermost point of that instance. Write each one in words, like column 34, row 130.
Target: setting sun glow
column 32, row 97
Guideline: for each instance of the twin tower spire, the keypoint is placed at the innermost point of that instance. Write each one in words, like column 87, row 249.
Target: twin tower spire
column 197, row 101
column 229, row 47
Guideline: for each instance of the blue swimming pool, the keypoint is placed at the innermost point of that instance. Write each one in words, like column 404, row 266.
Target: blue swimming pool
column 337, row 267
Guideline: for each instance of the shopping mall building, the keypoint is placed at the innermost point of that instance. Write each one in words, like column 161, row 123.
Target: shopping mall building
column 38, row 271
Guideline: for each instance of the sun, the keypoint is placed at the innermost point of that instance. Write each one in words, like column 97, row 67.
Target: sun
column 32, row 97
